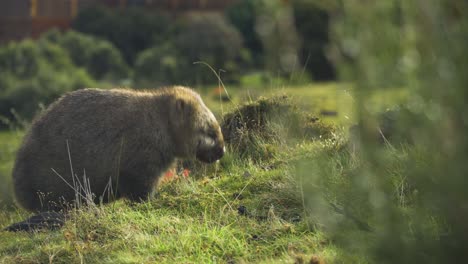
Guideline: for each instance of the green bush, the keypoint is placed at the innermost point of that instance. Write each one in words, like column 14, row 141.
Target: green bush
column 33, row 74
column 200, row 38
column 311, row 19
column 242, row 15
column 99, row 57
column 413, row 196
column 210, row 39
column 159, row 65
column 21, row 61
column 313, row 22
column 131, row 30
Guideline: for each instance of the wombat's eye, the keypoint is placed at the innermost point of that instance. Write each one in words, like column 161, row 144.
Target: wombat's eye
column 212, row 134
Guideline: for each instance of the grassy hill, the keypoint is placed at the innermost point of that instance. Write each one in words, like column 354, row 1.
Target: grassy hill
column 276, row 197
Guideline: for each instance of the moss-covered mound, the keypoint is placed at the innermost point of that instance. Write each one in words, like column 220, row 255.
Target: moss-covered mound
column 257, row 128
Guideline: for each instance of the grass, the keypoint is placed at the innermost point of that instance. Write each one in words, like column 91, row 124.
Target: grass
column 192, row 221
column 241, row 210
column 9, row 143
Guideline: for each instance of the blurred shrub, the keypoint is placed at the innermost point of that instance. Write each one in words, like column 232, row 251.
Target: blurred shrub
column 242, row 15
column 131, row 30
column 313, row 22
column 209, row 38
column 260, row 34
column 413, row 196
column 22, row 60
column 206, row 38
column 34, row 73
column 275, row 26
column 389, row 128
column 99, row 57
column 159, row 65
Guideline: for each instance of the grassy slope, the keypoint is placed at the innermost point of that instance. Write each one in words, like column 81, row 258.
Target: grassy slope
column 193, row 220
column 196, row 220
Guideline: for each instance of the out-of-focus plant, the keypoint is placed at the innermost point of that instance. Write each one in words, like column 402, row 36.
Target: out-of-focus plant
column 275, row 26
column 131, row 30
column 99, row 57
column 209, row 38
column 313, row 23
column 159, row 65
column 206, row 38
column 35, row 73
column 410, row 196
column 242, row 15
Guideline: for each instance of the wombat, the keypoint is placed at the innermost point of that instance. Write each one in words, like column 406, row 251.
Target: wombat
column 111, row 144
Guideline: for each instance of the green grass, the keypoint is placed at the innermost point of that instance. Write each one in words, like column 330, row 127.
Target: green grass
column 197, row 220
column 9, row 143
column 193, row 220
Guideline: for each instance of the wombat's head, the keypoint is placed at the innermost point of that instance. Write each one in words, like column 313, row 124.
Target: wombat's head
column 195, row 129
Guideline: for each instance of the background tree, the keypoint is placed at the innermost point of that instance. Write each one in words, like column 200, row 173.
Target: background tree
column 159, row 65
column 242, row 15
column 131, row 30
column 99, row 57
column 209, row 38
column 34, row 74
column 204, row 38
column 313, row 24
column 275, row 27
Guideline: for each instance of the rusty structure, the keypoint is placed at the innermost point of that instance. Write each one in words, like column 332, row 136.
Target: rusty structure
column 21, row 19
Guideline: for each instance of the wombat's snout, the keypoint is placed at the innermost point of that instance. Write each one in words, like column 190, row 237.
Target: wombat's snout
column 220, row 152
column 211, row 155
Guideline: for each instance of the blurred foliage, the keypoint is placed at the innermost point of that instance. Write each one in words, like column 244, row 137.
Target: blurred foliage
column 242, row 15
column 269, row 26
column 99, row 57
column 158, row 65
column 278, row 37
column 210, row 39
column 410, row 193
column 313, row 24
column 34, row 74
column 206, row 38
column 276, row 29
column 131, row 30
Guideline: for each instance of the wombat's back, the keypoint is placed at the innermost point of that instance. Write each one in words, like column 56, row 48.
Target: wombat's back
column 81, row 132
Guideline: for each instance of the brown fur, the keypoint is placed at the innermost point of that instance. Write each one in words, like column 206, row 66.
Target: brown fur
column 126, row 136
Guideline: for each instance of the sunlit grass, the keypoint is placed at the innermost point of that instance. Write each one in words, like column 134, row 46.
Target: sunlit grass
column 194, row 220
